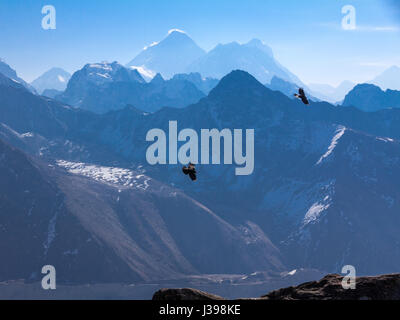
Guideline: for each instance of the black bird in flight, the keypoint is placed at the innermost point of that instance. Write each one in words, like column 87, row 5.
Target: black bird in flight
column 190, row 170
column 301, row 95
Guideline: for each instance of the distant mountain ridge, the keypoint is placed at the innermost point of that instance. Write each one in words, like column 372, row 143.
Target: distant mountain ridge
column 389, row 79
column 330, row 93
column 287, row 88
column 203, row 84
column 55, row 79
column 254, row 57
column 110, row 86
column 369, row 98
column 10, row 73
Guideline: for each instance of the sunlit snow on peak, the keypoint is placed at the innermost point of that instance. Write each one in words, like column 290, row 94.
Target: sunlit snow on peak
column 175, row 30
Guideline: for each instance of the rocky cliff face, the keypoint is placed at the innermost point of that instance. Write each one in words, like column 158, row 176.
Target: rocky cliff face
column 384, row 287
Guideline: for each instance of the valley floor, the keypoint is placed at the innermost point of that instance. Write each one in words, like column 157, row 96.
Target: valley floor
column 228, row 286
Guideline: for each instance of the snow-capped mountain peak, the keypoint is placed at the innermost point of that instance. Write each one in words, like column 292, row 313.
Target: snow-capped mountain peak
column 169, row 56
column 176, row 30
column 55, row 78
column 104, row 72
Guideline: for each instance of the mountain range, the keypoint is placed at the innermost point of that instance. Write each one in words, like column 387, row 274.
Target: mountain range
column 323, row 193
column 178, row 53
column 103, row 87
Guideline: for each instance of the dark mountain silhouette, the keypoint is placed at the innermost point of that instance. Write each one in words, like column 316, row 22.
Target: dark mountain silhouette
column 368, row 97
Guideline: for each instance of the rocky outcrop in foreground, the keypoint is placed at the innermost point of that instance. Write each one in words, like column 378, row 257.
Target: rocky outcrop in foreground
column 184, row 294
column 384, row 287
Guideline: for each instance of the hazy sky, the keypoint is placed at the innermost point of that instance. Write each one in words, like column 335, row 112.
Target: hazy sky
column 306, row 36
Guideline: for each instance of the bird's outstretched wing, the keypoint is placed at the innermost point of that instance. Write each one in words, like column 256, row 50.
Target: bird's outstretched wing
column 301, row 92
column 191, row 171
column 192, row 176
column 305, row 100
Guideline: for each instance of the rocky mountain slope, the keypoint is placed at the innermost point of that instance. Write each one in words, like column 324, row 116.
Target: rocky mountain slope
column 109, row 224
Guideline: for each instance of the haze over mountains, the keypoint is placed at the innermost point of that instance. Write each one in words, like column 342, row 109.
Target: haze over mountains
column 332, row 94
column 178, row 53
column 389, row 79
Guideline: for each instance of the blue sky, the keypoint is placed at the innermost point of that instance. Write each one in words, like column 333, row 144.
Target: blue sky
column 306, row 36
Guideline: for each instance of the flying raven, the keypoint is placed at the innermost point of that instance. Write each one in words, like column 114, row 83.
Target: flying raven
column 301, row 95
column 190, row 170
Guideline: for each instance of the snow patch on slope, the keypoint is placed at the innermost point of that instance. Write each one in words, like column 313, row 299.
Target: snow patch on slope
column 315, row 211
column 147, row 74
column 338, row 134
column 112, row 175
